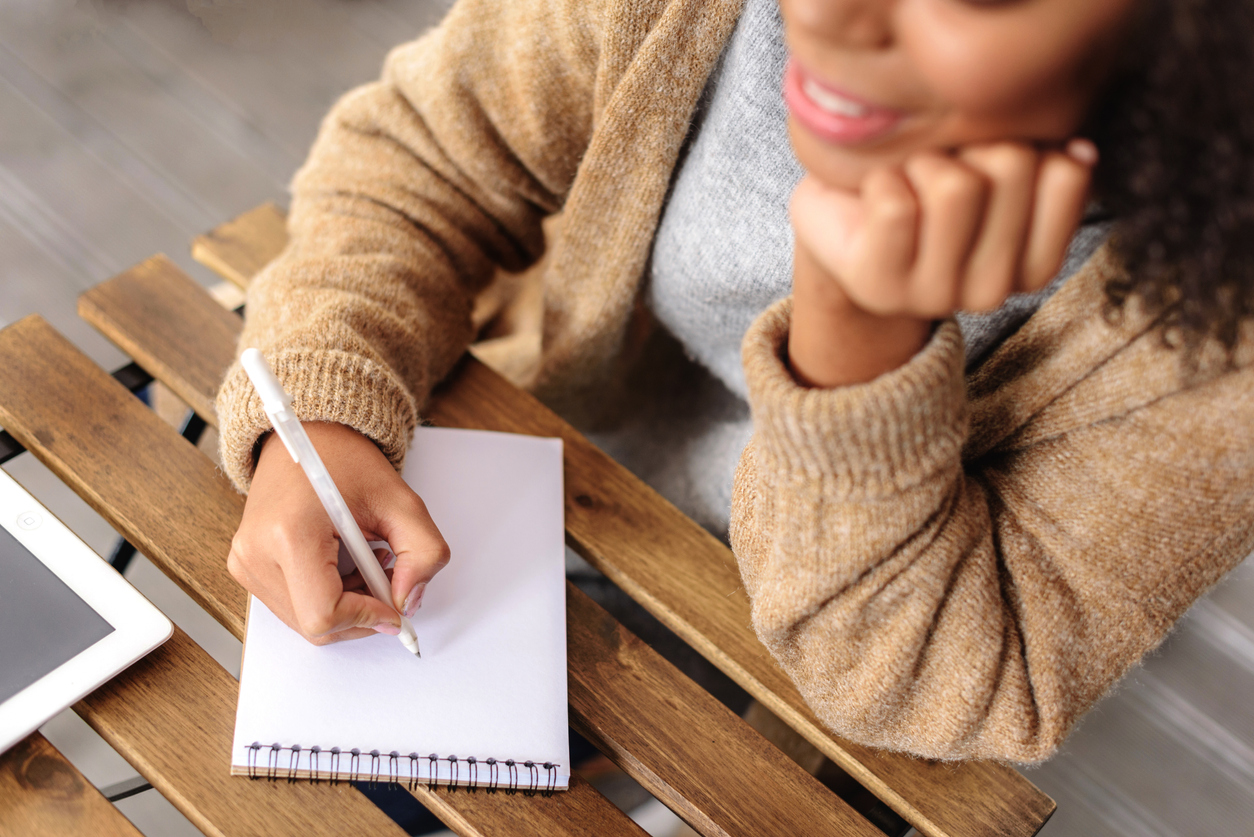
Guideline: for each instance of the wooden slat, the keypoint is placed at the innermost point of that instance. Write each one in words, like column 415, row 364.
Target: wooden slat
column 240, row 248
column 172, row 714
column 679, row 742
column 142, row 311
column 43, row 795
column 689, row 581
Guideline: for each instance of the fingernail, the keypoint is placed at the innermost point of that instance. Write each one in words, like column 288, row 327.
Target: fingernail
column 414, row 600
column 388, row 628
column 389, row 560
column 1083, row 151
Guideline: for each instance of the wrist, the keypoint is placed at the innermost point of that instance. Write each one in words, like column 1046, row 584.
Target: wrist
column 833, row 342
column 325, row 435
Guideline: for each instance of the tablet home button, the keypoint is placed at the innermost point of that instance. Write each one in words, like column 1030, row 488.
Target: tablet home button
column 29, row 520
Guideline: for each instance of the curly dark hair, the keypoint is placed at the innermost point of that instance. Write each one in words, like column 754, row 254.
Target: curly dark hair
column 1175, row 128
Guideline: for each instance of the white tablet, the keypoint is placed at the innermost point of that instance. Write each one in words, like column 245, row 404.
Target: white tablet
column 68, row 620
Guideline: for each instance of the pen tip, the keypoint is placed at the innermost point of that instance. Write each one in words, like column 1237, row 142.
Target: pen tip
column 408, row 638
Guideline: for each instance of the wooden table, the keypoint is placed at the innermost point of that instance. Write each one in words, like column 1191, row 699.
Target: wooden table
column 171, row 715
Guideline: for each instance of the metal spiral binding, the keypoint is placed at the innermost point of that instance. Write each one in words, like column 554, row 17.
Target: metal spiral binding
column 293, row 761
column 399, row 770
column 413, row 771
column 511, row 768
column 494, row 776
column 433, row 772
column 533, row 773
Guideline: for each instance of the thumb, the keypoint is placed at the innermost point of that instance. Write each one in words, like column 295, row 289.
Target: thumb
column 322, row 607
column 420, row 549
column 361, row 610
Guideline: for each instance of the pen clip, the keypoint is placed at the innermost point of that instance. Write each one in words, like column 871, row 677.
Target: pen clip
column 276, row 403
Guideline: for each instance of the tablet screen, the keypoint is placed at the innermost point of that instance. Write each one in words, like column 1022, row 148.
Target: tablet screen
column 42, row 622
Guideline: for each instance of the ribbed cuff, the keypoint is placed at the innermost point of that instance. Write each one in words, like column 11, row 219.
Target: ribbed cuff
column 871, row 439
column 325, row 386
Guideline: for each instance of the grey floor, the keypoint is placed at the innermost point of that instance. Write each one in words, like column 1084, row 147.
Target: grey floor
column 129, row 126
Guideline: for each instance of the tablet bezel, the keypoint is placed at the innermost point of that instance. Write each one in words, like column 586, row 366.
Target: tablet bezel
column 138, row 626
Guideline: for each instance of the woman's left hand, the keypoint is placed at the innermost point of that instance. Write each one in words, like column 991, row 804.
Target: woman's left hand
column 943, row 232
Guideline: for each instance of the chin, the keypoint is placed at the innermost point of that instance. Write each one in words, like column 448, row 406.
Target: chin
column 838, row 166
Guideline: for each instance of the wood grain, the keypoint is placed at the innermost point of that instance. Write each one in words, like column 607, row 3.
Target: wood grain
column 689, row 581
column 690, row 751
column 43, row 795
column 171, row 715
column 682, row 745
column 240, row 248
column 141, row 300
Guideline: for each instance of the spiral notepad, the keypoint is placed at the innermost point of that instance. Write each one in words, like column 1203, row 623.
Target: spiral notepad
column 485, row 706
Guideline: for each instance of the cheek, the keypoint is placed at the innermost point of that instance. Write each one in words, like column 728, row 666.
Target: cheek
column 998, row 75
column 1033, row 67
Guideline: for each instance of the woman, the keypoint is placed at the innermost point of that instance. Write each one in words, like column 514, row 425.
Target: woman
column 955, row 539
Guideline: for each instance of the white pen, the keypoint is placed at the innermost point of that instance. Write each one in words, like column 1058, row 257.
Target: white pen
column 278, row 407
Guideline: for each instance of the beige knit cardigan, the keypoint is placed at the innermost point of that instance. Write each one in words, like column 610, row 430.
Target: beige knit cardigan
column 952, row 567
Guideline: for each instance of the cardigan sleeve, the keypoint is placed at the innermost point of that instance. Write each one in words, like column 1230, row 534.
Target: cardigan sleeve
column 958, row 601
column 417, row 187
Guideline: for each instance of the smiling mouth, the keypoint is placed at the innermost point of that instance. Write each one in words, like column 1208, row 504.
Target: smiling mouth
column 832, row 115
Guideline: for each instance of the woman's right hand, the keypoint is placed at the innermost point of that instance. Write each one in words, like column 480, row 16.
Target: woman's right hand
column 285, row 551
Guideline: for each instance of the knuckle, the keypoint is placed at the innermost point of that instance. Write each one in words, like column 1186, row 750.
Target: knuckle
column 1006, row 161
column 925, row 165
column 317, row 624
column 241, row 545
column 944, row 182
column 443, row 554
column 894, row 209
column 958, row 186
column 1062, row 171
column 280, row 540
column 413, row 505
column 804, row 204
column 235, row 563
column 886, row 181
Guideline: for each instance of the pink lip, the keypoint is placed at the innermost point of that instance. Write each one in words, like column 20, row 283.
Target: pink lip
column 831, row 127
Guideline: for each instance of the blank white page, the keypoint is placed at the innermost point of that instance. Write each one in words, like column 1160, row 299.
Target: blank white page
column 491, row 682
